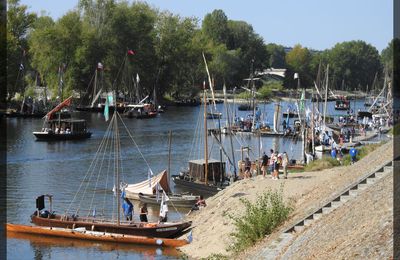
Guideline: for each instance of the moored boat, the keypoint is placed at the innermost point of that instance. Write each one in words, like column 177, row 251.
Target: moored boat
column 176, row 200
column 83, row 234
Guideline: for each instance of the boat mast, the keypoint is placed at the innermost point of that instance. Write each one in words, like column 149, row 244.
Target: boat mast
column 326, row 93
column 229, row 128
column 205, row 135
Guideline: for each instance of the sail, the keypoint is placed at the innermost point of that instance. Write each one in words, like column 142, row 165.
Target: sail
column 276, row 117
column 60, row 106
column 149, row 186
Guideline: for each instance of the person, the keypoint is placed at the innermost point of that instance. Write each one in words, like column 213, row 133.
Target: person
column 247, row 168
column 276, row 165
column 127, row 206
column 353, row 155
column 264, row 164
column 201, row 203
column 339, row 155
column 143, row 213
column 164, row 212
column 333, row 153
column 271, row 163
column 284, row 125
column 285, row 162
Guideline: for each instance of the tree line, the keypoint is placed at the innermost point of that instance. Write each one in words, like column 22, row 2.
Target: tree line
column 167, row 51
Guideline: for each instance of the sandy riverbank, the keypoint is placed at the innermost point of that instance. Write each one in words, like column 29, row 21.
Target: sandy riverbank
column 308, row 190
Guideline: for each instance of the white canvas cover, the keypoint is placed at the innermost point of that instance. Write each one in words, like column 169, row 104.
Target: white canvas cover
column 148, row 187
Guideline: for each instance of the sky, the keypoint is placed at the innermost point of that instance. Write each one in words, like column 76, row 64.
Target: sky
column 315, row 24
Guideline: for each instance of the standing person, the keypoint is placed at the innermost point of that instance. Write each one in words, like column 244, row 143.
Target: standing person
column 339, row 155
column 271, row 163
column 143, row 213
column 264, row 164
column 333, row 153
column 285, row 162
column 163, row 212
column 277, row 164
column 353, row 155
column 247, row 168
column 127, row 206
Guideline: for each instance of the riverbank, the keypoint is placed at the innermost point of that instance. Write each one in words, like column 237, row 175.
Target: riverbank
column 306, row 190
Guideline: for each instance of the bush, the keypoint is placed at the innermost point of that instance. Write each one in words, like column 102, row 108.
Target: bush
column 260, row 218
column 266, row 90
column 321, row 164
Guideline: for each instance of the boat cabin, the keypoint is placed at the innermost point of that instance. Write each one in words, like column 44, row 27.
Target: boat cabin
column 215, row 170
column 65, row 126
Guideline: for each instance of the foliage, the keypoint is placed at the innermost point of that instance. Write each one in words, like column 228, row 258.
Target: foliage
column 321, row 164
column 267, row 89
column 355, row 62
column 298, row 59
column 276, row 56
column 260, row 218
column 217, row 257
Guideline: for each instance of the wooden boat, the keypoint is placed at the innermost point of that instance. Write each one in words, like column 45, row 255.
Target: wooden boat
column 83, row 234
column 141, row 111
column 245, row 107
column 62, row 129
column 165, row 230
column 176, row 200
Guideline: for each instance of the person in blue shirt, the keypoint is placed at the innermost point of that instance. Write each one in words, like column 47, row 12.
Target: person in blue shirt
column 333, row 153
column 353, row 155
column 127, row 206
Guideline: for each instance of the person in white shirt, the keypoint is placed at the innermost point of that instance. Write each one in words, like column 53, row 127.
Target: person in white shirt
column 164, row 212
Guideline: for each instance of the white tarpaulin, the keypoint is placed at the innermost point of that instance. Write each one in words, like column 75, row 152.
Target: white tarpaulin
column 148, row 187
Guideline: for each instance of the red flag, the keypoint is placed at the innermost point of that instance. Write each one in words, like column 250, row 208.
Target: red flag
column 131, row 52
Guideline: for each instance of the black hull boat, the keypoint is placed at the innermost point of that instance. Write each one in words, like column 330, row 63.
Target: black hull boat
column 46, row 136
column 197, row 187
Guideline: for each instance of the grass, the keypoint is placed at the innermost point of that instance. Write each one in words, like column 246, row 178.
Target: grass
column 260, row 219
column 395, row 130
column 321, row 164
column 329, row 162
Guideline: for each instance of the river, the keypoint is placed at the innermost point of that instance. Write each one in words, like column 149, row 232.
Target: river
column 35, row 168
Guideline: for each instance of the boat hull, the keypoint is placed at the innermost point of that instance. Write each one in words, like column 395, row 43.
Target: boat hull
column 164, row 230
column 96, row 236
column 200, row 188
column 183, row 201
column 45, row 136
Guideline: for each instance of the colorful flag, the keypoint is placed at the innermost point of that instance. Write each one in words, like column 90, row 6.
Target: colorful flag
column 131, row 52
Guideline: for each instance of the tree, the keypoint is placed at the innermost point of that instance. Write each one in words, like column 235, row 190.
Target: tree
column 19, row 21
column 298, row 59
column 276, row 56
column 215, row 26
column 356, row 62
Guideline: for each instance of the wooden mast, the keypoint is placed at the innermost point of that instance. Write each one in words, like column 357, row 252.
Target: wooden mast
column 205, row 136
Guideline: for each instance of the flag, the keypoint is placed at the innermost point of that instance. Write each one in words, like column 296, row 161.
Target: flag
column 99, row 66
column 190, row 237
column 21, row 67
column 131, row 52
column 94, row 212
column 109, row 101
column 137, row 78
column 166, row 198
column 302, row 100
column 157, row 192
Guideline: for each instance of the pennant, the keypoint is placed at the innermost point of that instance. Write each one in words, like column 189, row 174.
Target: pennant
column 131, row 52
column 137, row 78
column 149, row 176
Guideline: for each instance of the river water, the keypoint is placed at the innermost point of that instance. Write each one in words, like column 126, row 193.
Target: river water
column 58, row 168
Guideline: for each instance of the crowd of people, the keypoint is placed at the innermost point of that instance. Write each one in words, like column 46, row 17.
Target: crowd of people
column 270, row 165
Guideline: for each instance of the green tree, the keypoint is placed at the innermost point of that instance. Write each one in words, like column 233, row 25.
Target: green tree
column 298, row 59
column 215, row 26
column 19, row 22
column 276, row 56
column 356, row 62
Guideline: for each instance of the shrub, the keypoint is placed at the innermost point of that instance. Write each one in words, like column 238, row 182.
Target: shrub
column 260, row 218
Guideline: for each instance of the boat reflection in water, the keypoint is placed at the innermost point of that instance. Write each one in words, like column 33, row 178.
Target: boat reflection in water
column 39, row 243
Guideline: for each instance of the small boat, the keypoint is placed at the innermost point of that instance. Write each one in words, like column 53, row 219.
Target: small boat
column 245, row 107
column 75, row 129
column 141, row 111
column 291, row 114
column 62, row 129
column 176, row 200
column 342, row 104
column 83, row 234
column 214, row 115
